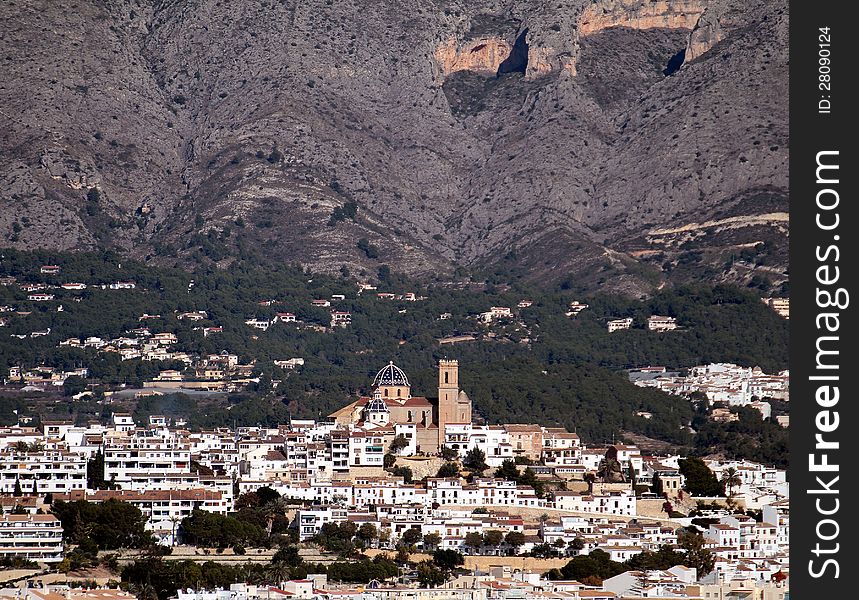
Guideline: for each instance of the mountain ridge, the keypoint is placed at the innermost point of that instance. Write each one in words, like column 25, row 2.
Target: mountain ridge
column 216, row 130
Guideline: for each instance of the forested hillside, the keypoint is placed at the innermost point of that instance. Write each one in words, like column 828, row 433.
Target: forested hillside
column 538, row 366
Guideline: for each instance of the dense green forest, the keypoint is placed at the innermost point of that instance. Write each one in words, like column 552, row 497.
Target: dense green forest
column 540, row 366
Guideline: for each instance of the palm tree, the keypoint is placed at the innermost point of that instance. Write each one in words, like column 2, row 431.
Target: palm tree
column 143, row 591
column 272, row 510
column 731, row 478
column 590, row 478
column 277, row 572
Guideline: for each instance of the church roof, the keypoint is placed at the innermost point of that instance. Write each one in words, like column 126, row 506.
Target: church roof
column 412, row 402
column 377, row 404
column 391, row 375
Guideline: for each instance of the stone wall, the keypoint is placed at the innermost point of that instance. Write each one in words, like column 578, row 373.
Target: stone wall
column 421, row 466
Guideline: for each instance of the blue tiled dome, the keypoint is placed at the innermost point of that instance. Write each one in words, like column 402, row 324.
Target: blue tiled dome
column 391, row 375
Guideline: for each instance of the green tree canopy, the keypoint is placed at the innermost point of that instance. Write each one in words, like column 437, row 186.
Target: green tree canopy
column 207, row 529
column 111, row 524
column 448, row 469
column 448, row 560
column 700, row 480
column 515, row 539
column 475, row 460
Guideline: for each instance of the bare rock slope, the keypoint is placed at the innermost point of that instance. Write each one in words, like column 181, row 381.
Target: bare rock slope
column 568, row 140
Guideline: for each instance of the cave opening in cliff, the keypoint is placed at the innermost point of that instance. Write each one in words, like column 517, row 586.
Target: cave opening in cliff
column 674, row 63
column 517, row 62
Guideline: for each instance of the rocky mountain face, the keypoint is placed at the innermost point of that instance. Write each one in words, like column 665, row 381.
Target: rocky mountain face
column 616, row 143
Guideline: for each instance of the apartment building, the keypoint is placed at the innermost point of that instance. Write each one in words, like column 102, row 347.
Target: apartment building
column 31, row 537
column 144, row 451
column 615, row 503
column 41, row 472
column 164, row 509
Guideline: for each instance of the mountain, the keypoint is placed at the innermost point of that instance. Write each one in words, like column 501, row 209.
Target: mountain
column 616, row 143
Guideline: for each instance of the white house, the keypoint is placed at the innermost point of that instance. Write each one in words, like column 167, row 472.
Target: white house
column 618, row 324
column 657, row 323
column 614, row 503
column 262, row 324
column 492, row 440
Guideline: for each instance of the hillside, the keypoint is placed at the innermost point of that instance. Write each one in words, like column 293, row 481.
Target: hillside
column 615, row 143
column 537, row 364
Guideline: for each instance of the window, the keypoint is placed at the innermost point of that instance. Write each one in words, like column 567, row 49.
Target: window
column 446, row 374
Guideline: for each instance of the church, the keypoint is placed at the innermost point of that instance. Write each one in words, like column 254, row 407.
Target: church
column 392, row 403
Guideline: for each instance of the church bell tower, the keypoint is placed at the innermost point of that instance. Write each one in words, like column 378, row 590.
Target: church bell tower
column 454, row 406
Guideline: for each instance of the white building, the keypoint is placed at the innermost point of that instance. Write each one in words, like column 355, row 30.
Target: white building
column 41, row 472
column 725, row 382
column 163, row 509
column 723, row 535
column 618, row 324
column 340, row 318
column 367, row 448
column 310, row 520
column 561, row 448
column 613, row 503
column 657, row 323
column 499, row 312
column 778, row 513
column 495, row 312
column 145, row 451
column 31, row 537
column 492, row 440
column 290, row 363
column 122, row 422
column 780, row 305
column 262, row 324
column 575, row 308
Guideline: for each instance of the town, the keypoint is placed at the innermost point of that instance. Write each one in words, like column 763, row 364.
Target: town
column 725, row 383
column 518, row 506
